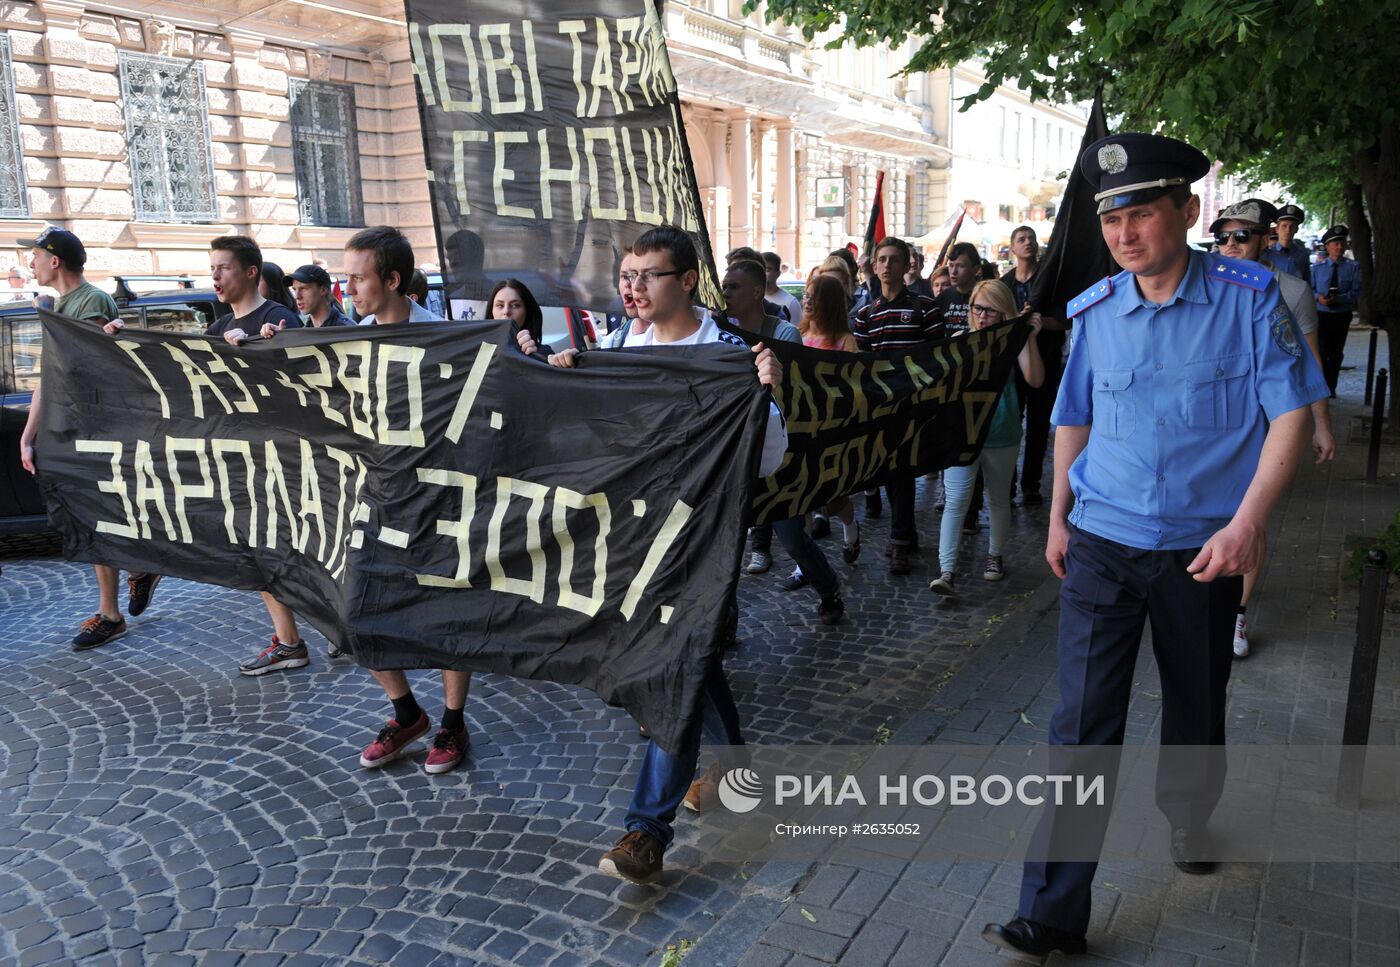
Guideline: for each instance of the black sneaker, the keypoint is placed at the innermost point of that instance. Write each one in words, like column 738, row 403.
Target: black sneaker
column 832, row 609
column 793, row 581
column 139, row 588
column 899, row 559
column 97, row 631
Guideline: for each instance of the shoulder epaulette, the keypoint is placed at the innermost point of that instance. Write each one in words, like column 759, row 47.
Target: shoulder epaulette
column 1251, row 275
column 1093, row 295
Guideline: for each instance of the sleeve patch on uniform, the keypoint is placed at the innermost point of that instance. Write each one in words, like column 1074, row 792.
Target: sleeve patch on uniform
column 1285, row 330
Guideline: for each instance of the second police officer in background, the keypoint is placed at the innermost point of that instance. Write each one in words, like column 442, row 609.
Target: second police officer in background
column 1336, row 283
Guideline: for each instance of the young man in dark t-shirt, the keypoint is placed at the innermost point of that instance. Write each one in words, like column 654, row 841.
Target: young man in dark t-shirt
column 235, row 263
column 1036, row 401
column 898, row 320
column 964, row 271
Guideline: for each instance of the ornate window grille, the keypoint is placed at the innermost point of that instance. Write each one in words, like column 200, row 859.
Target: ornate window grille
column 324, row 141
column 14, row 193
column 169, row 148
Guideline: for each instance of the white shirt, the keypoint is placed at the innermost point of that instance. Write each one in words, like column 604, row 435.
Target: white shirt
column 416, row 313
column 785, row 298
column 775, row 438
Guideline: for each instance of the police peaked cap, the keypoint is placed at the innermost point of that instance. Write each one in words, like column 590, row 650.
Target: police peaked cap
column 1334, row 233
column 1133, row 168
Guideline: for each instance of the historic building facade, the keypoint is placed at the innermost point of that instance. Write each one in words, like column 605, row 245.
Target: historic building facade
column 150, row 131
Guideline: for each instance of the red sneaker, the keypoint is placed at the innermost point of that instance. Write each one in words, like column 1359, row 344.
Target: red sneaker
column 448, row 751
column 391, row 742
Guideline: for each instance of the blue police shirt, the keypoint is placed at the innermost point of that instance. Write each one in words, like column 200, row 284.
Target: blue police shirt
column 1294, row 260
column 1348, row 284
column 1178, row 398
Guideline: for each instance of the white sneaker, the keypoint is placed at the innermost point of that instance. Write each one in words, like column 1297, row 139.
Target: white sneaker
column 759, row 562
column 1241, row 638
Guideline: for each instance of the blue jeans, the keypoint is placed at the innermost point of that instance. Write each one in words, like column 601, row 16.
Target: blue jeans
column 808, row 556
column 664, row 779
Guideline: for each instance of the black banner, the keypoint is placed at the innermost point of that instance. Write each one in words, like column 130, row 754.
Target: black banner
column 554, row 138
column 854, row 420
column 424, row 494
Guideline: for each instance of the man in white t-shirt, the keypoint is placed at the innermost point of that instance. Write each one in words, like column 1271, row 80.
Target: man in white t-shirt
column 665, row 271
column 773, row 266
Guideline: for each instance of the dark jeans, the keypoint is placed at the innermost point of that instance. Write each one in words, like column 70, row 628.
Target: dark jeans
column 1332, row 329
column 664, row 779
column 761, row 538
column 1110, row 591
column 903, row 530
column 1037, row 402
column 808, row 555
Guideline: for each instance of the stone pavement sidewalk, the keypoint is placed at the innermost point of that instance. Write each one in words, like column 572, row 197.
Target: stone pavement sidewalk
column 1292, row 690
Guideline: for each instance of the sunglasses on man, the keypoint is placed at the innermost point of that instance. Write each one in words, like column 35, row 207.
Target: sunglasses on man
column 1239, row 235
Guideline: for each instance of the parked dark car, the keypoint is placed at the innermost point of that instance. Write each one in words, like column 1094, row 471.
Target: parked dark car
column 150, row 302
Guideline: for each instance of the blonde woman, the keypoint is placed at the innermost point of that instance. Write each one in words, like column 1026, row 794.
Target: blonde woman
column 989, row 304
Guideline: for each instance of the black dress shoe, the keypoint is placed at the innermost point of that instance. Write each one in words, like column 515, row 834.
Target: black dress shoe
column 1188, row 848
column 1028, row 937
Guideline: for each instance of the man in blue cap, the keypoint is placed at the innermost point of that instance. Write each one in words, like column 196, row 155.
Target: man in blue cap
column 1181, row 417
column 1336, row 282
column 1288, row 254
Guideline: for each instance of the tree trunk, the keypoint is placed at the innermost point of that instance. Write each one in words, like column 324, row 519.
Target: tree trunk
column 1374, row 214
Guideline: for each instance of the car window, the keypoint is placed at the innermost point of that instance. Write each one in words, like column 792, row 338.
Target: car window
column 26, row 351
column 175, row 317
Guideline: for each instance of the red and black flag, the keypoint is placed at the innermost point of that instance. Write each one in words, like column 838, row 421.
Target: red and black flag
column 875, row 228
column 948, row 242
column 1076, row 257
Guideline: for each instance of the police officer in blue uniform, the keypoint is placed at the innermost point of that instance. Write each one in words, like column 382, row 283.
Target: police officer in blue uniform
column 1336, row 283
column 1181, row 417
column 1288, row 254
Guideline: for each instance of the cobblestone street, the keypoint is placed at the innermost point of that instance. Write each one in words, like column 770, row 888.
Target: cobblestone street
column 157, row 807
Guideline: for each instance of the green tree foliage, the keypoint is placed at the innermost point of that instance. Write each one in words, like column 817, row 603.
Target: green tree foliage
column 1302, row 92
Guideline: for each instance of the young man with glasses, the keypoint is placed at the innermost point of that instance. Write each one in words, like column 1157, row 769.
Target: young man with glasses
column 665, row 272
column 898, row 321
column 1242, row 232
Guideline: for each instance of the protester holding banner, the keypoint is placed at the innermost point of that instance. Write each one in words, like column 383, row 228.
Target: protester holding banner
column 378, row 264
column 57, row 259
column 898, row 321
column 663, row 277
column 990, row 303
column 235, row 264
column 825, row 325
column 511, row 299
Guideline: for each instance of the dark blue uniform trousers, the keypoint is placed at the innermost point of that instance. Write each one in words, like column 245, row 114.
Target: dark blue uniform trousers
column 1109, row 592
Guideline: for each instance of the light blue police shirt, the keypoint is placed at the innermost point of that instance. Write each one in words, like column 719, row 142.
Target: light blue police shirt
column 1348, row 284
column 1179, row 398
column 1294, row 260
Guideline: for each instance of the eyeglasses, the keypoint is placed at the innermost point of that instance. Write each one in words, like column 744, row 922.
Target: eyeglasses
column 984, row 311
column 644, row 279
column 1239, row 235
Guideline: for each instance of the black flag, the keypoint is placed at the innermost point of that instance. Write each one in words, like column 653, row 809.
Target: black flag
column 1076, row 257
